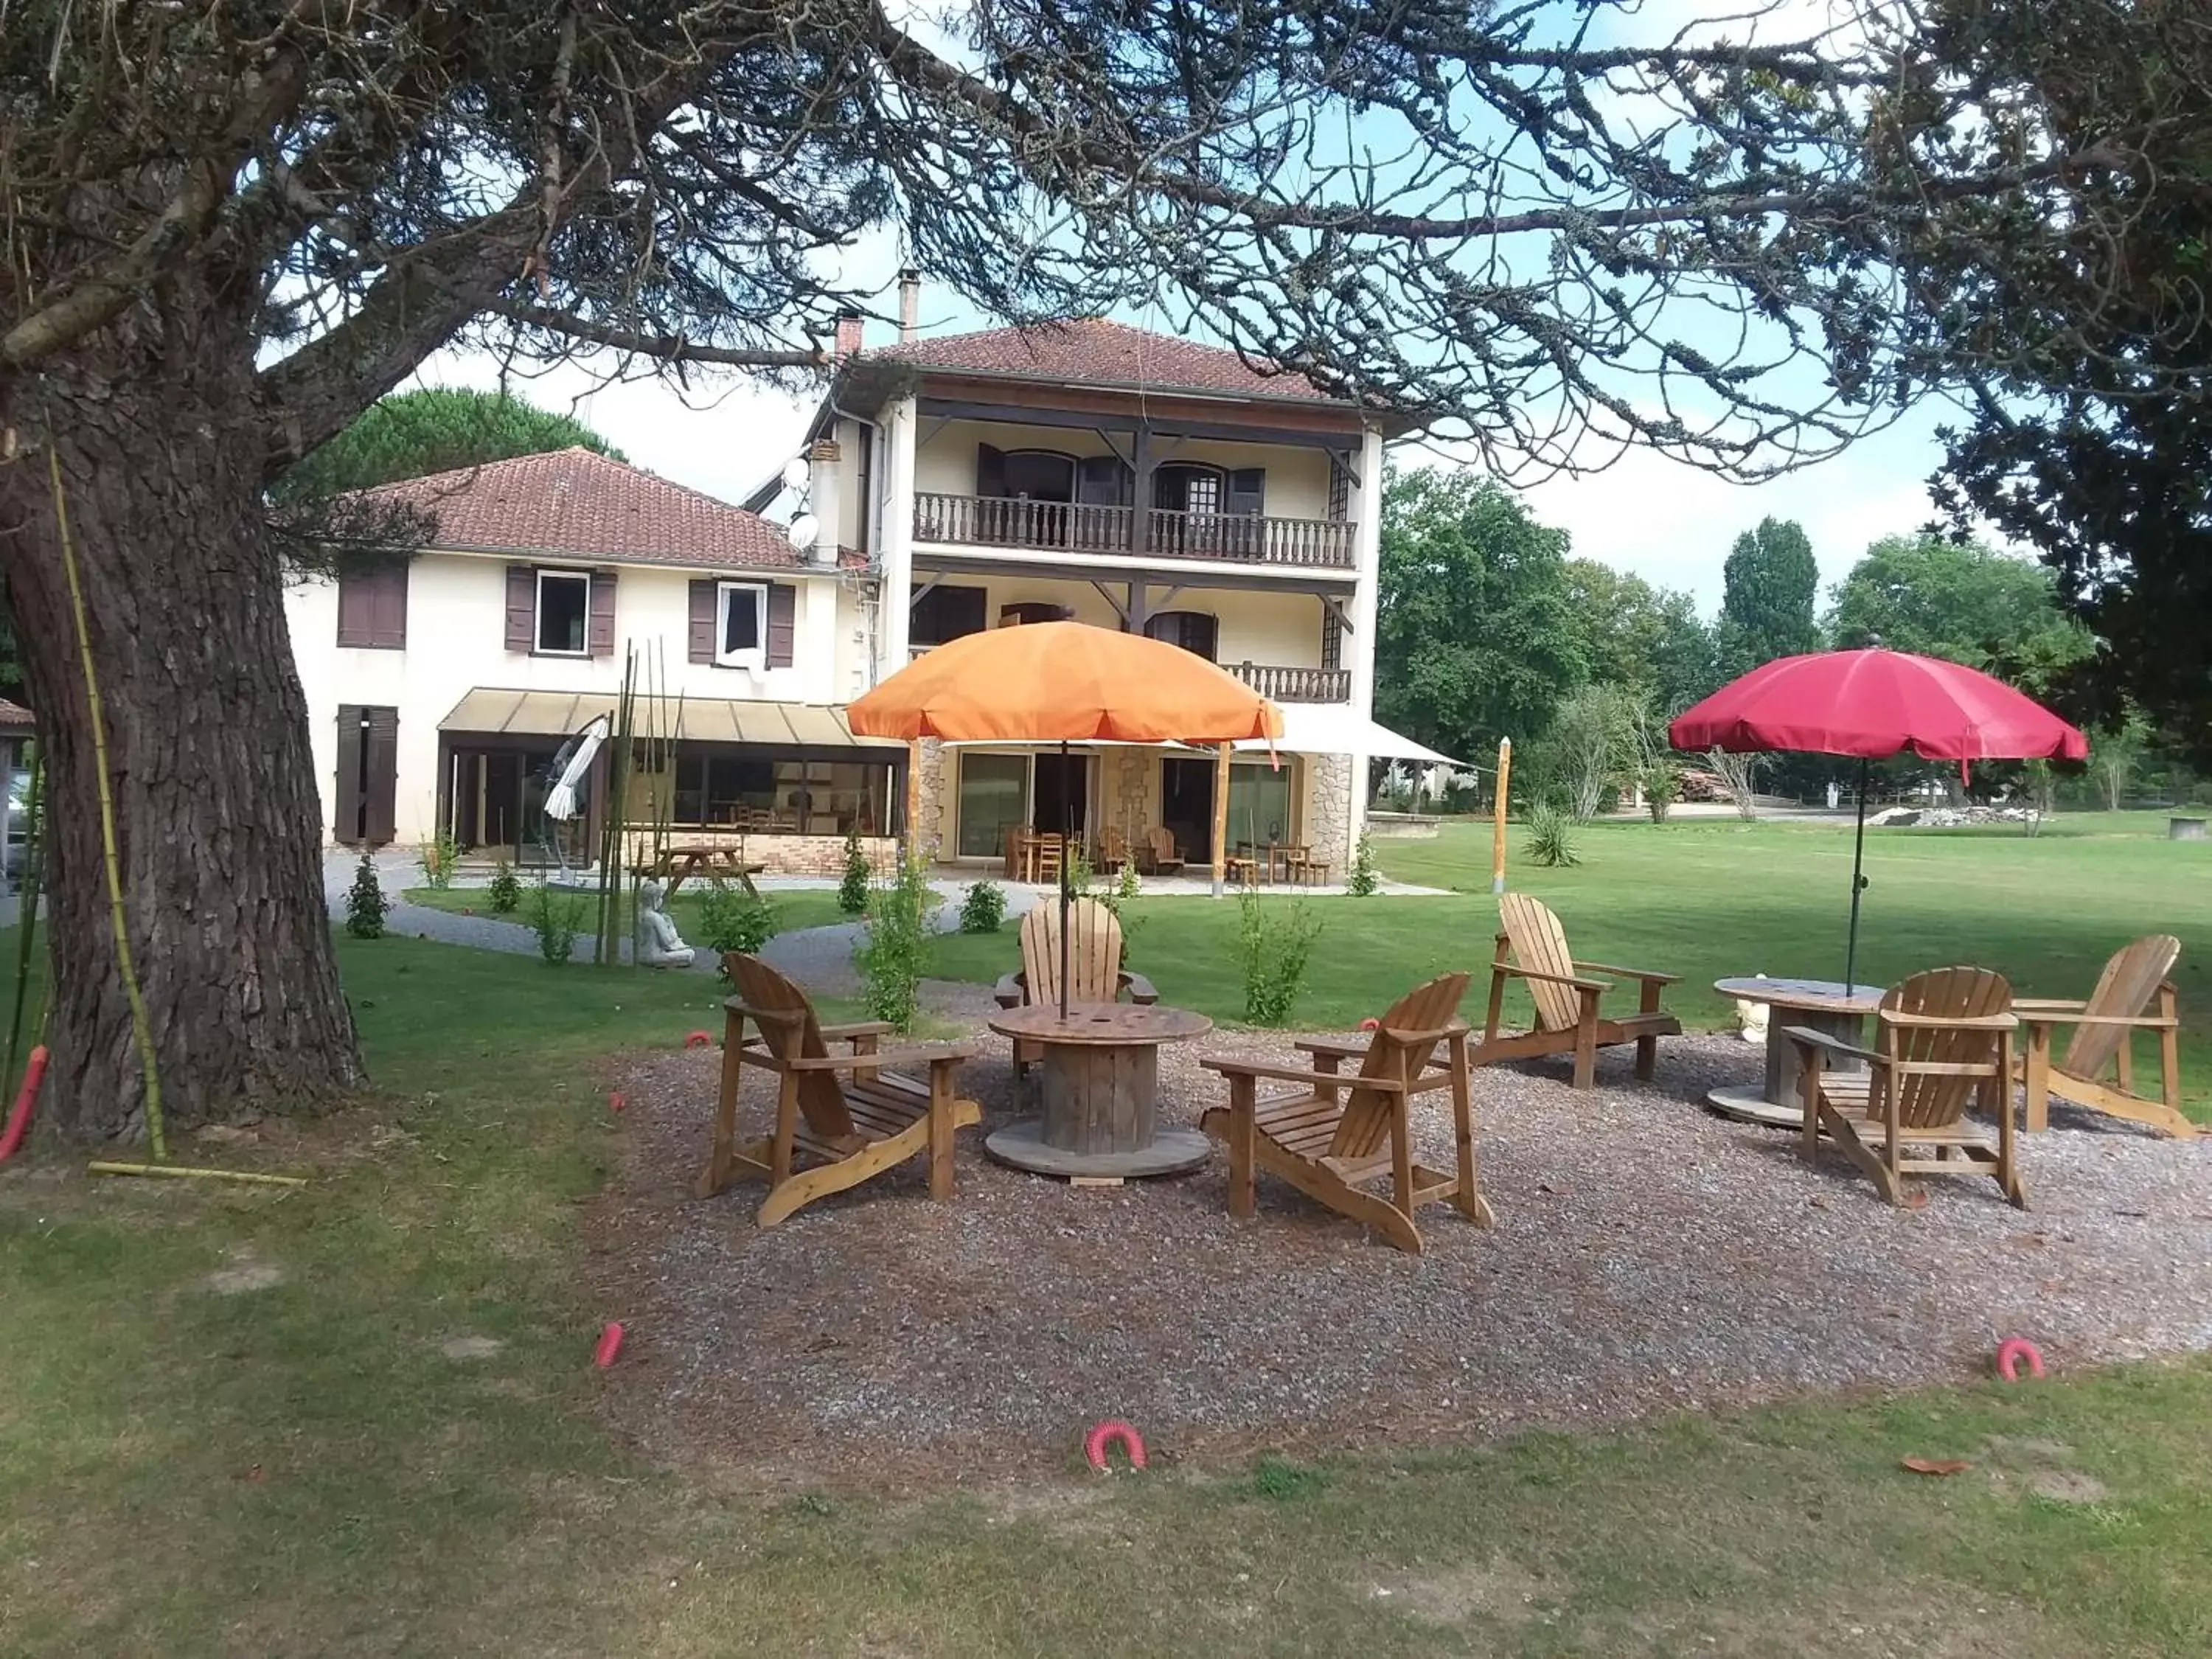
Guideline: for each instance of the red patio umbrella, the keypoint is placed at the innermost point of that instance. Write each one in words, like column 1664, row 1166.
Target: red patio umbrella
column 1873, row 704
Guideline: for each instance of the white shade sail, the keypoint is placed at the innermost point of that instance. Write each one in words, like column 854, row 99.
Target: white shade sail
column 1336, row 728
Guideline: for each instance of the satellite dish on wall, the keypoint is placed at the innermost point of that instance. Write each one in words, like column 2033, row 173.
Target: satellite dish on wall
column 803, row 529
column 796, row 473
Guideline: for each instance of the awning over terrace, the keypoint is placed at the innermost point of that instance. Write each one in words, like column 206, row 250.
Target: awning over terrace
column 698, row 719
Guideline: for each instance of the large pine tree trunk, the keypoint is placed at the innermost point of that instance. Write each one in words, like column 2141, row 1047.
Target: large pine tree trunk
column 216, row 818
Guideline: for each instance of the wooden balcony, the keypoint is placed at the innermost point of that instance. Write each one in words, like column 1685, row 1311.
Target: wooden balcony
column 1084, row 528
column 1280, row 684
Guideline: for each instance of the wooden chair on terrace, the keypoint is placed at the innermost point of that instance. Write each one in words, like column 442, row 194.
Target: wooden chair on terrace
column 2104, row 1025
column 1167, row 858
column 1094, row 965
column 844, row 1132
column 1337, row 1133
column 1113, row 851
column 1046, row 852
column 1942, row 1038
column 1571, row 1016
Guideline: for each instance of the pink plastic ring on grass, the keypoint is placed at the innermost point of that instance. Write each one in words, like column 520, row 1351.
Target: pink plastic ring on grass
column 2011, row 1351
column 1095, row 1444
column 610, row 1340
column 698, row 1040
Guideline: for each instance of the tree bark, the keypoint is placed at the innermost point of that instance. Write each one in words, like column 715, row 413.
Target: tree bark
column 217, row 815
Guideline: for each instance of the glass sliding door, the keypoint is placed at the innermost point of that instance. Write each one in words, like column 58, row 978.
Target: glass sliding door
column 1259, row 804
column 994, row 798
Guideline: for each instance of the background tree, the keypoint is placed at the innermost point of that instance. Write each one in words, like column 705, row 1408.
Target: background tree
column 1595, row 742
column 231, row 229
column 2072, row 316
column 1650, row 639
column 437, row 429
column 1941, row 598
column 1477, row 633
column 1769, row 583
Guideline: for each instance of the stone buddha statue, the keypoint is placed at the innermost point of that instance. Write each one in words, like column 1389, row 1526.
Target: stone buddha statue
column 657, row 944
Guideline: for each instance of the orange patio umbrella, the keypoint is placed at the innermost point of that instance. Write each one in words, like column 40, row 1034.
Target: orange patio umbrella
column 1063, row 683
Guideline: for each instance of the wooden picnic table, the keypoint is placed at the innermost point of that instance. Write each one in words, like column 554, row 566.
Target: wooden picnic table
column 679, row 864
column 1099, row 1081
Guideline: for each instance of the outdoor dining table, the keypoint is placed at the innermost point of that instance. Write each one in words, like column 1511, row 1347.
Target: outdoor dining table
column 1099, row 1083
column 1828, row 1007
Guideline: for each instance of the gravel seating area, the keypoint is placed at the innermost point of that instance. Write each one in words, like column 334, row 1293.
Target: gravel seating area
column 1648, row 1256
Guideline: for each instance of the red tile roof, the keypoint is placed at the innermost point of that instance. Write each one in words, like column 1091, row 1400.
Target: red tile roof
column 14, row 717
column 575, row 504
column 1097, row 351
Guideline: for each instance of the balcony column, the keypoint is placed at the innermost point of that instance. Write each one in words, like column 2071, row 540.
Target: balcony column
column 1360, row 645
column 1141, row 513
column 898, row 430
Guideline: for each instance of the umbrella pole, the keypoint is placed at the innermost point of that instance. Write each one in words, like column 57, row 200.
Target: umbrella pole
column 1858, row 883
column 1067, row 872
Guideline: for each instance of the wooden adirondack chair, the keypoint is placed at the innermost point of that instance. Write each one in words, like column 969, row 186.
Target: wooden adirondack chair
column 1339, row 1133
column 1113, row 851
column 2104, row 1025
column 1570, row 1013
column 1094, row 965
column 1942, row 1038
column 845, row 1132
column 1167, row 858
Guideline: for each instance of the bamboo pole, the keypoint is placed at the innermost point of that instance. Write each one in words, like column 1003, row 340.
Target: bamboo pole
column 1220, row 820
column 185, row 1172
column 1498, row 817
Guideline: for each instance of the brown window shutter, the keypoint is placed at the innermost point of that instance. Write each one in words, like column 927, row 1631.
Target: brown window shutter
column 356, row 607
column 345, row 805
column 783, row 623
column 388, row 606
column 379, row 818
column 521, row 608
column 703, row 620
column 602, row 633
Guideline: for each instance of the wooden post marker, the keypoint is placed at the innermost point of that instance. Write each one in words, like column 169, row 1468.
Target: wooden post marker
column 914, row 798
column 1498, row 817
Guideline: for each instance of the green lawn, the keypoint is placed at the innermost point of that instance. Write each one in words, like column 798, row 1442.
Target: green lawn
column 300, row 1469
column 1708, row 898
column 795, row 906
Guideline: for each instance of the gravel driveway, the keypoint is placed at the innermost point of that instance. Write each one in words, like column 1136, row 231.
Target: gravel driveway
column 1648, row 1256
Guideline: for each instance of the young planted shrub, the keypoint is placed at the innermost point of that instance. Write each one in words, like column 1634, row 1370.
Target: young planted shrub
column 557, row 917
column 1551, row 839
column 852, row 889
column 731, row 918
column 1663, row 787
column 1362, row 881
column 505, row 893
column 439, row 857
column 893, row 954
column 365, row 903
column 984, row 908
column 1272, row 947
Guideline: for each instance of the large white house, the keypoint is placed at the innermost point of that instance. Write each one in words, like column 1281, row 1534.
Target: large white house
column 1088, row 470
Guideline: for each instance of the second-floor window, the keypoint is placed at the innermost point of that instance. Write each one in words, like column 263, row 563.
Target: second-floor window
column 946, row 613
column 372, row 604
column 1194, row 630
column 564, row 610
column 741, row 625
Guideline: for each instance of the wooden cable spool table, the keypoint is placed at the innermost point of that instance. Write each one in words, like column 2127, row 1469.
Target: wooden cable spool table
column 1099, row 1082
column 1828, row 1007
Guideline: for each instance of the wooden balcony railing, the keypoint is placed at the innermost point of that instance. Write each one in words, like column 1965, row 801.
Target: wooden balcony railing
column 1082, row 527
column 1280, row 684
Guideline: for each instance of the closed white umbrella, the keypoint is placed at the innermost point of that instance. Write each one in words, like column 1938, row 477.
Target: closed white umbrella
column 560, row 801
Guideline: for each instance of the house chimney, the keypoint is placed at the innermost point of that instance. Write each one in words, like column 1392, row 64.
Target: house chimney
column 909, row 303
column 848, row 336
column 825, row 499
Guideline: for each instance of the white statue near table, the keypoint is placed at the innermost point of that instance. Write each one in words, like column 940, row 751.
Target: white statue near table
column 659, row 944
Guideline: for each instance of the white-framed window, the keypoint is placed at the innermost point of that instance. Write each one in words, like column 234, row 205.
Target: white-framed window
column 741, row 625
column 564, row 612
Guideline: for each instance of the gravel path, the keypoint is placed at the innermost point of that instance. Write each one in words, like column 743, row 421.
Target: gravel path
column 1648, row 1256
